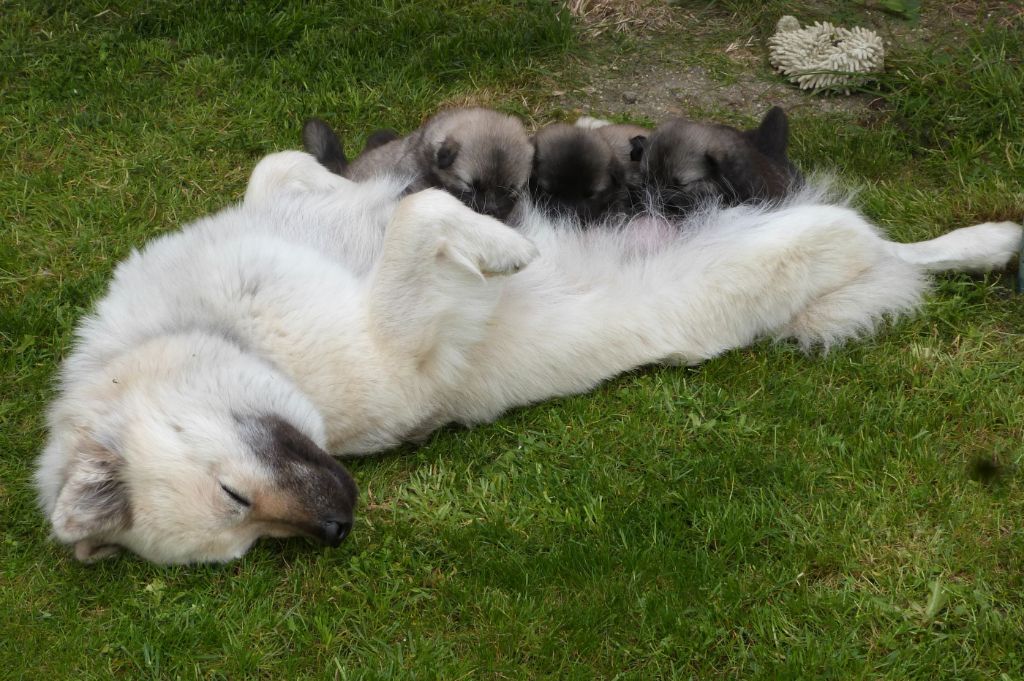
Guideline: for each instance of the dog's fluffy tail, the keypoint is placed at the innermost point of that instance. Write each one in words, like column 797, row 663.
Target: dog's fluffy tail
column 984, row 247
column 321, row 141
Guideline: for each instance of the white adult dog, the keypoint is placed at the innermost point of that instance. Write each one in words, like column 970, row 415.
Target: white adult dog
column 198, row 406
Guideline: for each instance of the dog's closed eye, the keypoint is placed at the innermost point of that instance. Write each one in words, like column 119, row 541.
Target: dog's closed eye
column 235, row 496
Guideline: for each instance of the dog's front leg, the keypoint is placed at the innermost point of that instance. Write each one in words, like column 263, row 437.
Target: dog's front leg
column 289, row 171
column 439, row 277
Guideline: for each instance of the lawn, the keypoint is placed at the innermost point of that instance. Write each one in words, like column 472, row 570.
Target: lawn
column 766, row 515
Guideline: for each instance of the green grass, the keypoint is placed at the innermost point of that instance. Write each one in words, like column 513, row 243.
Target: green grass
column 769, row 515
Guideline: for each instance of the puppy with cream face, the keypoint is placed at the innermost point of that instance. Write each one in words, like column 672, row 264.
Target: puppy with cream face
column 479, row 155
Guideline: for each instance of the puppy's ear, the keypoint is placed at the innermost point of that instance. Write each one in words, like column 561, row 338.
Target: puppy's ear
column 446, row 153
column 378, row 138
column 535, row 157
column 533, row 183
column 637, row 147
column 93, row 504
column 616, row 173
column 320, row 140
column 772, row 137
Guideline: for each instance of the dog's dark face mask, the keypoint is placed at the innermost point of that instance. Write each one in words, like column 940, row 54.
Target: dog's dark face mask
column 222, row 495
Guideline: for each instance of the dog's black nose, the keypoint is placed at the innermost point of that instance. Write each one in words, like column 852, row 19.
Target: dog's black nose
column 334, row 531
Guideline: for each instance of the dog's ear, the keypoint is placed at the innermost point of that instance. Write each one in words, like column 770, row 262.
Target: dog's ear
column 378, row 138
column 535, row 157
column 771, row 137
column 93, row 504
column 637, row 147
column 617, row 174
column 533, row 183
column 446, row 153
column 320, row 140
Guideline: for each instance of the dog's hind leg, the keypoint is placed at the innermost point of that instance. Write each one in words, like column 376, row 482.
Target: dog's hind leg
column 440, row 274
column 895, row 280
column 819, row 274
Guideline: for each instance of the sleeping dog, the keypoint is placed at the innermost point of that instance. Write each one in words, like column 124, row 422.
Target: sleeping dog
column 204, row 397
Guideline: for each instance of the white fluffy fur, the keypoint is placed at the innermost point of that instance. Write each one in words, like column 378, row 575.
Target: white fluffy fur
column 591, row 122
column 366, row 320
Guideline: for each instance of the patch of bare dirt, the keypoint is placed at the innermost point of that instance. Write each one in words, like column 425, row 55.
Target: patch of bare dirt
column 655, row 84
column 601, row 16
column 695, row 60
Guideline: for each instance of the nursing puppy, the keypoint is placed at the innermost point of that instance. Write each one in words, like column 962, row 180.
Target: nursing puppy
column 319, row 139
column 576, row 172
column 588, row 170
column 480, row 156
column 627, row 142
column 687, row 163
column 199, row 403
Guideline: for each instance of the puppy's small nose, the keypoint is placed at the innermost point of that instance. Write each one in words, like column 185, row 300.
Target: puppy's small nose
column 334, row 531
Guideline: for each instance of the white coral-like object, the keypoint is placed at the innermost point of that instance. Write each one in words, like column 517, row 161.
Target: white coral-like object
column 824, row 56
column 787, row 23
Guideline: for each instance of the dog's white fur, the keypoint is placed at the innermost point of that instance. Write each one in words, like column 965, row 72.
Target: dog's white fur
column 365, row 320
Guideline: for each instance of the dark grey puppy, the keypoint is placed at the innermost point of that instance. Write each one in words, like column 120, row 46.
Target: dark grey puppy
column 576, row 171
column 319, row 139
column 481, row 156
column 589, row 169
column 686, row 163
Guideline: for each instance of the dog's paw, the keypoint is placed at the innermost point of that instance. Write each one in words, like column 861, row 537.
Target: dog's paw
column 489, row 248
column 477, row 243
column 509, row 255
column 990, row 245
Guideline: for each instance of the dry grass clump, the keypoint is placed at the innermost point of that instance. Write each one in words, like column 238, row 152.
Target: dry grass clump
column 600, row 16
